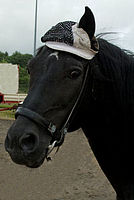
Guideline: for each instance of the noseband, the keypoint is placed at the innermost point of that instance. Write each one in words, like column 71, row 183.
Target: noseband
column 52, row 129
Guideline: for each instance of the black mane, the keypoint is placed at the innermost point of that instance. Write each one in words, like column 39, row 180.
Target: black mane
column 117, row 66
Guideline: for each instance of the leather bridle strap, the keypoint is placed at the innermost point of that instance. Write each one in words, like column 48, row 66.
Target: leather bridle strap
column 74, row 109
column 35, row 117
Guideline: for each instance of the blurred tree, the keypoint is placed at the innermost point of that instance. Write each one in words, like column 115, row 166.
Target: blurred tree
column 3, row 56
column 20, row 59
column 3, row 61
column 23, row 80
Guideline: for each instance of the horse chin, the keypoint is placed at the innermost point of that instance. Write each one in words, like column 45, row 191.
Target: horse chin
column 35, row 164
column 38, row 162
column 30, row 163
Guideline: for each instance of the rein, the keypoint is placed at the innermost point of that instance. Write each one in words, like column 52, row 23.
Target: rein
column 52, row 129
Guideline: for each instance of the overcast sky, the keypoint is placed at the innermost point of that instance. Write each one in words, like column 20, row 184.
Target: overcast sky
column 17, row 20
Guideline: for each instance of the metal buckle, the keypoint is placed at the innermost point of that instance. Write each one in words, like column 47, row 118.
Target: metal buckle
column 65, row 131
column 52, row 128
column 50, row 149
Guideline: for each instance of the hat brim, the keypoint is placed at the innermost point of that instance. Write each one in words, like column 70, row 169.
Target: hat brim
column 86, row 54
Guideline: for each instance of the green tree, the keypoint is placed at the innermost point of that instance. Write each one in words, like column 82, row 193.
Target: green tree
column 23, row 80
column 3, row 60
column 6, row 53
column 3, row 56
column 20, row 59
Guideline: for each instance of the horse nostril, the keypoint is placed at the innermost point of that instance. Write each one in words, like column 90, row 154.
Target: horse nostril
column 29, row 143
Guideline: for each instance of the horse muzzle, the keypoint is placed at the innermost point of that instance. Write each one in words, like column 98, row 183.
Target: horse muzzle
column 27, row 146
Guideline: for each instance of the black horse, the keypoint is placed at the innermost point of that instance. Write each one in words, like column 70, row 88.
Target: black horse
column 79, row 82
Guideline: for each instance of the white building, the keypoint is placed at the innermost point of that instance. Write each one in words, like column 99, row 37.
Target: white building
column 9, row 78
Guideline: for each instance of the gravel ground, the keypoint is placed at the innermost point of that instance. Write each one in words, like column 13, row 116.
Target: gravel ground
column 73, row 174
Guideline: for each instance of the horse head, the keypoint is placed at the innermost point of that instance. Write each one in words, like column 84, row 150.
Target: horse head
column 57, row 78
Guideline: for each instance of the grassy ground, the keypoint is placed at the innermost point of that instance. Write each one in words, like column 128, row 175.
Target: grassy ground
column 7, row 114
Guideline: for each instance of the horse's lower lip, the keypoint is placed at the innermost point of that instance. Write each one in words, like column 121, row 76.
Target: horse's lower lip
column 35, row 164
column 38, row 162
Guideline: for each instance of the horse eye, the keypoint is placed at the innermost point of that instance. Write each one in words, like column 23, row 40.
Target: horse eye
column 75, row 74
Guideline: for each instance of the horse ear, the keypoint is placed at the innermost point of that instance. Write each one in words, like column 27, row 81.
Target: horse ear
column 87, row 23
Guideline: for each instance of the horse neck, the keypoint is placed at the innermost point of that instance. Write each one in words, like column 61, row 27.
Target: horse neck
column 111, row 74
column 98, row 93
column 107, row 83
column 126, row 192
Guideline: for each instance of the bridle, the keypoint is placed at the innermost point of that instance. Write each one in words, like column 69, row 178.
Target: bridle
column 52, row 129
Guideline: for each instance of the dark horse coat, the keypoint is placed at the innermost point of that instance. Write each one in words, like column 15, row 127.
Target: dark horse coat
column 105, row 111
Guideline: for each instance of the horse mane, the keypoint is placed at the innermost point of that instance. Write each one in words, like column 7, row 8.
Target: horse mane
column 114, row 59
column 117, row 66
